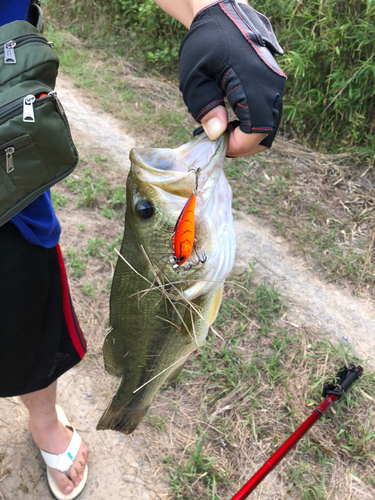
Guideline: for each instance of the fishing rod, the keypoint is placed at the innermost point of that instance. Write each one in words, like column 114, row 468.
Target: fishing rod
column 332, row 392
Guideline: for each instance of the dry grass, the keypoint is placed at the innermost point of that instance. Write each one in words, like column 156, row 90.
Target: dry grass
column 246, row 395
column 322, row 204
column 342, row 182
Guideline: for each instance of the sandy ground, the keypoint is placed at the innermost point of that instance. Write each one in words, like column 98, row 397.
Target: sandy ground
column 128, row 467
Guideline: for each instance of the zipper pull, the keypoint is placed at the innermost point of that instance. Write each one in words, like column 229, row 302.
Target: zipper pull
column 9, row 159
column 53, row 94
column 28, row 109
column 9, row 54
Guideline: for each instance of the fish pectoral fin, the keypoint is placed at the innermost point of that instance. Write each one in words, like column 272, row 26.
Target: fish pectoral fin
column 215, row 305
column 115, row 371
column 172, row 377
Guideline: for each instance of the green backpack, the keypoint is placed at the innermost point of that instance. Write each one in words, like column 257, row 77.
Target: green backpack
column 36, row 147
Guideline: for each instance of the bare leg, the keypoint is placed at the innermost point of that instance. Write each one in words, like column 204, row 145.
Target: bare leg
column 51, row 435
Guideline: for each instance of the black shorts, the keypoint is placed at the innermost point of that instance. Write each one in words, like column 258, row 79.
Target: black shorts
column 40, row 338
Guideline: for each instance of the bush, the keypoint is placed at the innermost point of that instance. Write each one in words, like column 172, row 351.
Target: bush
column 134, row 28
column 329, row 57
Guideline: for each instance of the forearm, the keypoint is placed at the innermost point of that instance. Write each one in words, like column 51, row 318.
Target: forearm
column 184, row 10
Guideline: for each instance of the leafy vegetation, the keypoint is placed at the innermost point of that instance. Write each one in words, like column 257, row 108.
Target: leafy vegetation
column 330, row 62
column 329, row 58
column 140, row 30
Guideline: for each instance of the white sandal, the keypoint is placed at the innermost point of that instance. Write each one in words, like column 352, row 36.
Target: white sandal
column 64, row 461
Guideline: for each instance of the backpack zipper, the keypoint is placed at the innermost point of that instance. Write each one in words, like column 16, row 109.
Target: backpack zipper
column 9, row 55
column 28, row 108
column 14, row 106
column 10, row 45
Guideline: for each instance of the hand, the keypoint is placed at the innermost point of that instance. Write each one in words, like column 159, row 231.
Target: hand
column 215, row 122
column 228, row 52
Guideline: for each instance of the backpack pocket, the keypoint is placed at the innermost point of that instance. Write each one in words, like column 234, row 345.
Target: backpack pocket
column 36, row 149
column 18, row 157
column 25, row 55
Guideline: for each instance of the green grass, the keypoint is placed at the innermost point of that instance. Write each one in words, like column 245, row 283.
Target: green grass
column 93, row 188
column 255, row 368
column 58, row 200
column 198, row 466
column 76, row 263
column 89, row 290
column 155, row 107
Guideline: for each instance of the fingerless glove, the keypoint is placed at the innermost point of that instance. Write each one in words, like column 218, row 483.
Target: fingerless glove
column 229, row 52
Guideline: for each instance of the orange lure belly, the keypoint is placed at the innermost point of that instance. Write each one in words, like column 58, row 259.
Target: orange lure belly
column 184, row 232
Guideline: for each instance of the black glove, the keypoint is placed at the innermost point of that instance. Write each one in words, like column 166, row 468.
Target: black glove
column 229, row 51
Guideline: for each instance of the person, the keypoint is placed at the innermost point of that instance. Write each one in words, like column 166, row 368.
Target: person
column 228, row 51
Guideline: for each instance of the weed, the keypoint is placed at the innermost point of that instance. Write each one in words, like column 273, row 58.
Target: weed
column 95, row 246
column 185, row 473
column 89, row 290
column 58, row 200
column 156, row 422
column 75, row 263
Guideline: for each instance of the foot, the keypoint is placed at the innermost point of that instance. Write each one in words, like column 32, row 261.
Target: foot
column 52, row 436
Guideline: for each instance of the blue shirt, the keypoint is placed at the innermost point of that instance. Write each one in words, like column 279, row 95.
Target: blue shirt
column 13, row 10
column 37, row 222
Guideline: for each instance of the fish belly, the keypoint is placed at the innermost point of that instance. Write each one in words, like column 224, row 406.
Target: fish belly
column 150, row 340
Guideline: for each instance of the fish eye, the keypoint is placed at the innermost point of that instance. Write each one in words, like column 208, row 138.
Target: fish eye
column 145, row 209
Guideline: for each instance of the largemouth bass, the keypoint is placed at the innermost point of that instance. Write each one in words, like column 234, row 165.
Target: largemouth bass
column 160, row 312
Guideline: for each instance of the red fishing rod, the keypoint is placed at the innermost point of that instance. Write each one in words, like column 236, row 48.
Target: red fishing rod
column 344, row 379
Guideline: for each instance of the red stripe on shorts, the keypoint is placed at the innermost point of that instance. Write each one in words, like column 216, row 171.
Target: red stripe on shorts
column 69, row 314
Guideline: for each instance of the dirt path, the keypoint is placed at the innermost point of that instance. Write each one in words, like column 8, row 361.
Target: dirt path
column 127, row 467
column 312, row 302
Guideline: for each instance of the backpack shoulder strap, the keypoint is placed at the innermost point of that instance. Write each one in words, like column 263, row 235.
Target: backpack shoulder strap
column 35, row 15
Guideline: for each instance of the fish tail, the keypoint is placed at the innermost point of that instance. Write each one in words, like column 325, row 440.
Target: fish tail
column 125, row 419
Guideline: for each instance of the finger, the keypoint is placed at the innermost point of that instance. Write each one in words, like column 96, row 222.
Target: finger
column 241, row 144
column 215, row 122
column 258, row 149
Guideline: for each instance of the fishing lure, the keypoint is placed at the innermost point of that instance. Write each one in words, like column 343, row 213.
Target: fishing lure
column 183, row 237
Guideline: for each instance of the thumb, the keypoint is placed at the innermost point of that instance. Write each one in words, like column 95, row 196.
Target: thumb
column 215, row 122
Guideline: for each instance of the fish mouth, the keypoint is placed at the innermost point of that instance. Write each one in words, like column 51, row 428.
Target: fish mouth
column 174, row 169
